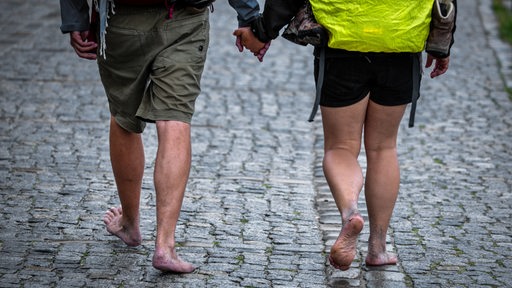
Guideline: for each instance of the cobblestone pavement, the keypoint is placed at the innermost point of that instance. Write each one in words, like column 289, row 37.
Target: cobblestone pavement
column 257, row 211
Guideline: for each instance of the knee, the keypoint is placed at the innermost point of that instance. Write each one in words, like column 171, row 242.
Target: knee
column 381, row 152
column 352, row 147
column 381, row 145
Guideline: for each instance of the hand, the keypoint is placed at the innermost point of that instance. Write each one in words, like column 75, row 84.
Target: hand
column 440, row 66
column 238, row 42
column 245, row 38
column 83, row 48
column 262, row 52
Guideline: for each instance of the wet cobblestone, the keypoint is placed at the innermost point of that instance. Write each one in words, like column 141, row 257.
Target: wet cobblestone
column 257, row 211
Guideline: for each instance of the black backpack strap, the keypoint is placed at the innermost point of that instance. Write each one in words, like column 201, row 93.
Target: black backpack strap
column 416, row 79
column 319, row 84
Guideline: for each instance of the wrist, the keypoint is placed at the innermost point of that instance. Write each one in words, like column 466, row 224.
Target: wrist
column 257, row 28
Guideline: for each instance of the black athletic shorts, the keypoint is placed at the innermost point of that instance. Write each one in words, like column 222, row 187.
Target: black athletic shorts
column 350, row 76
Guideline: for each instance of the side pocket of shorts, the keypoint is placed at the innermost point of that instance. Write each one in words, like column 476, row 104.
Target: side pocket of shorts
column 188, row 37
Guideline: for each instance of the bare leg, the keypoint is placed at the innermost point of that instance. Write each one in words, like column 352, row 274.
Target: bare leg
column 381, row 191
column 342, row 133
column 127, row 157
column 172, row 169
column 382, row 178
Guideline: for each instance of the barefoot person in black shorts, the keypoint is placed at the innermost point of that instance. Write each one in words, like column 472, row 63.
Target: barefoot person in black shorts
column 371, row 71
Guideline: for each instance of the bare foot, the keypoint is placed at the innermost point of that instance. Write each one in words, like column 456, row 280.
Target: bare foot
column 343, row 251
column 170, row 262
column 112, row 219
column 381, row 259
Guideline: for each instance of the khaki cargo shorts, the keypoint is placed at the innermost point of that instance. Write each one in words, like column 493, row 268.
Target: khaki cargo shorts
column 153, row 64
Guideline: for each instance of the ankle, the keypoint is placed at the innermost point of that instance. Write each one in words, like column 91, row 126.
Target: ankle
column 376, row 247
column 348, row 215
column 164, row 248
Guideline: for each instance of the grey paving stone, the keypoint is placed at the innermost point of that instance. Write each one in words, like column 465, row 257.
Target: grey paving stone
column 257, row 211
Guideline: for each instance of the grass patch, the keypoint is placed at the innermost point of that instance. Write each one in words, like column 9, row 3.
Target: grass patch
column 503, row 11
column 240, row 259
column 458, row 251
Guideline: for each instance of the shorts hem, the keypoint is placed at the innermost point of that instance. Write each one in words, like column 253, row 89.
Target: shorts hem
column 129, row 125
column 169, row 115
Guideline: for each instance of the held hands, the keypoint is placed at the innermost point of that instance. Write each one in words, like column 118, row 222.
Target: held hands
column 245, row 38
column 440, row 65
column 83, row 48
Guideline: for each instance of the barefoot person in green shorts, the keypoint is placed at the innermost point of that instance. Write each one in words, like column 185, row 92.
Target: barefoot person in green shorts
column 150, row 57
